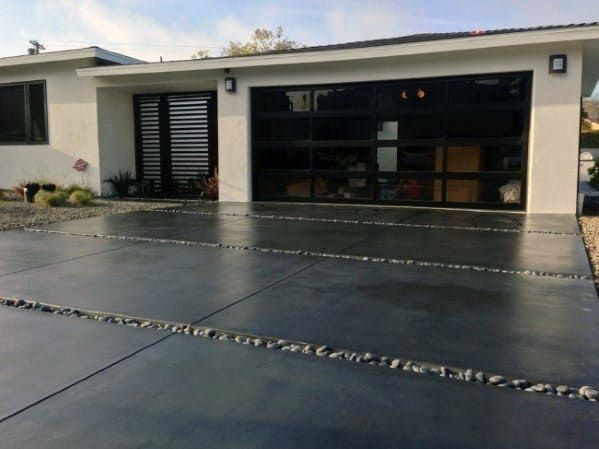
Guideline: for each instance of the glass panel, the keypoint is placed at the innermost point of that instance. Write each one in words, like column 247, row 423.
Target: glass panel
column 339, row 99
column 341, row 128
column 420, row 126
column 411, row 93
column 352, row 159
column 493, row 190
column 283, row 186
column 283, row 158
column 342, row 188
column 386, row 130
column 386, row 158
column 474, row 158
column 417, row 188
column 12, row 114
column 487, row 90
column 283, row 101
column 37, row 108
column 485, row 124
column 421, row 159
column 285, row 130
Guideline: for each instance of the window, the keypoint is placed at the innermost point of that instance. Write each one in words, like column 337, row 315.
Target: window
column 23, row 113
column 460, row 141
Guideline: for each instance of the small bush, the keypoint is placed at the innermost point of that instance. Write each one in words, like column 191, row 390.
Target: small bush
column 51, row 199
column 73, row 187
column 1, row 195
column 80, row 197
column 18, row 189
column 589, row 140
column 121, row 182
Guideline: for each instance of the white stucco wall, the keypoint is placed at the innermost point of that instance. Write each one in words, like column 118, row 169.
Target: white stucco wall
column 553, row 143
column 72, row 127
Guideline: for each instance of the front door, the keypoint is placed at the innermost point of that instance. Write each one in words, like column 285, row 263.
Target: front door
column 176, row 140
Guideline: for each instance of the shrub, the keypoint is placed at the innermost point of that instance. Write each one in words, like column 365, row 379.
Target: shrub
column 209, row 187
column 594, row 173
column 51, row 199
column 1, row 195
column 18, row 189
column 121, row 182
column 72, row 187
column 80, row 197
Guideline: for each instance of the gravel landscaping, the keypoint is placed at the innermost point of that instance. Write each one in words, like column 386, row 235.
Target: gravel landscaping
column 16, row 214
column 590, row 232
column 584, row 392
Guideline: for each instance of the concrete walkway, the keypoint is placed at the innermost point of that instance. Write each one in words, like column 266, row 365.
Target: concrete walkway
column 500, row 293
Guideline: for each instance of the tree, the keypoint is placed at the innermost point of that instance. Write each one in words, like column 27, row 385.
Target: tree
column 200, row 54
column 262, row 40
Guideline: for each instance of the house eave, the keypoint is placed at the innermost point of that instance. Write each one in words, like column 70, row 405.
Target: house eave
column 562, row 35
column 69, row 55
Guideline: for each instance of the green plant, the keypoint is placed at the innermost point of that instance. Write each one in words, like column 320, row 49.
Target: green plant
column 80, row 197
column 121, row 182
column 51, row 199
column 594, row 173
column 72, row 187
column 208, row 186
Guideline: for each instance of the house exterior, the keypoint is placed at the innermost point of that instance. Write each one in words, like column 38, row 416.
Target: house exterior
column 482, row 120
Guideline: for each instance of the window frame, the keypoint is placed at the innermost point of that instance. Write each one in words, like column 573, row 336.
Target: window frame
column 28, row 140
column 376, row 113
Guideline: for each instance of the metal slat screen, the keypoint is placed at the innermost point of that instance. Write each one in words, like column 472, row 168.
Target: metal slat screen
column 175, row 139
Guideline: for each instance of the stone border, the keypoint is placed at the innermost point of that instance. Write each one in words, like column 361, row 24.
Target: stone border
column 365, row 222
column 586, row 392
column 419, row 263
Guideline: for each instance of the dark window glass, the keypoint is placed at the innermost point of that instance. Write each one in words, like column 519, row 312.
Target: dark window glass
column 474, row 158
column 491, row 190
column 342, row 188
column 283, row 186
column 487, row 90
column 283, row 101
column 283, row 158
column 12, row 114
column 406, row 188
column 410, row 159
column 420, row 126
column 410, row 94
column 342, row 128
column 485, row 124
column 340, row 99
column 37, row 110
column 285, row 130
column 351, row 159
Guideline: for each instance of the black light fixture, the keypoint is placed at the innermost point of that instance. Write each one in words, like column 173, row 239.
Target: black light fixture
column 558, row 63
column 230, row 84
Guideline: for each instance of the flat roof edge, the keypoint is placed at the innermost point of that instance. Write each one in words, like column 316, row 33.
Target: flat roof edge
column 68, row 55
column 475, row 42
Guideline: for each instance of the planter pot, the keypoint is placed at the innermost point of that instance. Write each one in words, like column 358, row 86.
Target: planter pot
column 29, row 192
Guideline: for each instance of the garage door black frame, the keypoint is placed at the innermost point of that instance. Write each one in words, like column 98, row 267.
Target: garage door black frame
column 374, row 112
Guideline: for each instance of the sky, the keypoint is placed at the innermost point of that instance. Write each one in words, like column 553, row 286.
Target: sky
column 175, row 29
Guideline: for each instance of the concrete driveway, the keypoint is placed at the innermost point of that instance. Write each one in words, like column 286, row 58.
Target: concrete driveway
column 316, row 326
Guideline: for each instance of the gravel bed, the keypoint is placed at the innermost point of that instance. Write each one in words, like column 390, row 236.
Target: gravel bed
column 16, row 214
column 420, row 263
column 585, row 392
column 590, row 232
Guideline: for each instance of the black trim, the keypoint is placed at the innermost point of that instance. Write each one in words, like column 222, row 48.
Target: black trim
column 375, row 113
column 28, row 140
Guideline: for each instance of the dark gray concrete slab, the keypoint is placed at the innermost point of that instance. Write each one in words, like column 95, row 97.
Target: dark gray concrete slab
column 497, row 220
column 140, row 224
column 154, row 280
column 544, row 329
column 189, row 393
column 228, row 207
column 511, row 251
column 21, row 250
column 42, row 353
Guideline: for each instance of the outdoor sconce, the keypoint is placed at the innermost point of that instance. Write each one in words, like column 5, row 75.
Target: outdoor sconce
column 558, row 64
column 230, row 85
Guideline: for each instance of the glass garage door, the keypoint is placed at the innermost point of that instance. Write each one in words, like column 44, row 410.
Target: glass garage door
column 457, row 142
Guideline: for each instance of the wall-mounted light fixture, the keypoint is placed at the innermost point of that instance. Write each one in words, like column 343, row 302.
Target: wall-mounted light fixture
column 558, row 63
column 230, row 84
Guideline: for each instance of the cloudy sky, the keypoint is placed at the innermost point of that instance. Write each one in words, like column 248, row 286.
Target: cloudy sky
column 174, row 29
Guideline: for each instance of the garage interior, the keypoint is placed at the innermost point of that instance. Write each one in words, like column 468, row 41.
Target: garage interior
column 451, row 142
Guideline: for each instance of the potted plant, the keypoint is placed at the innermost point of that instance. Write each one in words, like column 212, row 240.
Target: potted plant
column 29, row 191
